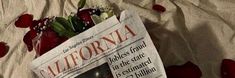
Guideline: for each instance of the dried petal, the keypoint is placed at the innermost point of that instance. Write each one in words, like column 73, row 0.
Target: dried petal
column 3, row 49
column 28, row 39
column 24, row 21
column 228, row 68
column 188, row 70
column 159, row 8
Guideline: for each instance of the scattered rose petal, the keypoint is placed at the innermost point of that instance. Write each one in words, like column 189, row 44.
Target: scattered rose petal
column 188, row 70
column 24, row 21
column 228, row 68
column 159, row 8
column 3, row 49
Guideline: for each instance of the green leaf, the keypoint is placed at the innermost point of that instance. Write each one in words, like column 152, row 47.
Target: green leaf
column 65, row 23
column 58, row 28
column 81, row 4
column 70, row 22
column 69, row 34
column 76, row 23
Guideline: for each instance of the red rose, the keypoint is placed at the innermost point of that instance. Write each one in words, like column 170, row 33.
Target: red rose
column 48, row 40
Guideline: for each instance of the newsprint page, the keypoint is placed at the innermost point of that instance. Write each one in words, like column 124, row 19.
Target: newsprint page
column 111, row 49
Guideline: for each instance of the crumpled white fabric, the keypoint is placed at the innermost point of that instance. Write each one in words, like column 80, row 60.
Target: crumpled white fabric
column 200, row 31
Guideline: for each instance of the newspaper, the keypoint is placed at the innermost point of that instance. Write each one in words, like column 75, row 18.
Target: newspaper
column 111, row 49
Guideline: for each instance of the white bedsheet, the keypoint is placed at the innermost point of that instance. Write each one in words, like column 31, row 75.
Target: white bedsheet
column 201, row 31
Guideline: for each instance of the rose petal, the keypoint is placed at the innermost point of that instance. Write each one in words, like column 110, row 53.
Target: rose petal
column 28, row 39
column 3, row 49
column 188, row 70
column 24, row 21
column 159, row 8
column 228, row 68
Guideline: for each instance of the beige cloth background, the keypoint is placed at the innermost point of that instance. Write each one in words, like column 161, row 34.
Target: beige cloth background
column 201, row 31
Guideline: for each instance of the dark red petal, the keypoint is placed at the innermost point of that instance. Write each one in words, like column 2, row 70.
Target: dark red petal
column 3, row 49
column 159, row 8
column 28, row 41
column 228, row 68
column 33, row 34
column 29, row 36
column 24, row 21
column 188, row 70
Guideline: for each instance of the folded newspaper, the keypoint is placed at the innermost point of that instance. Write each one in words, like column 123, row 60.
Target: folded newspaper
column 111, row 49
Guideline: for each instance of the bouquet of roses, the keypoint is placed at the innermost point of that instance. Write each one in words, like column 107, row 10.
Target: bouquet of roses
column 47, row 33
